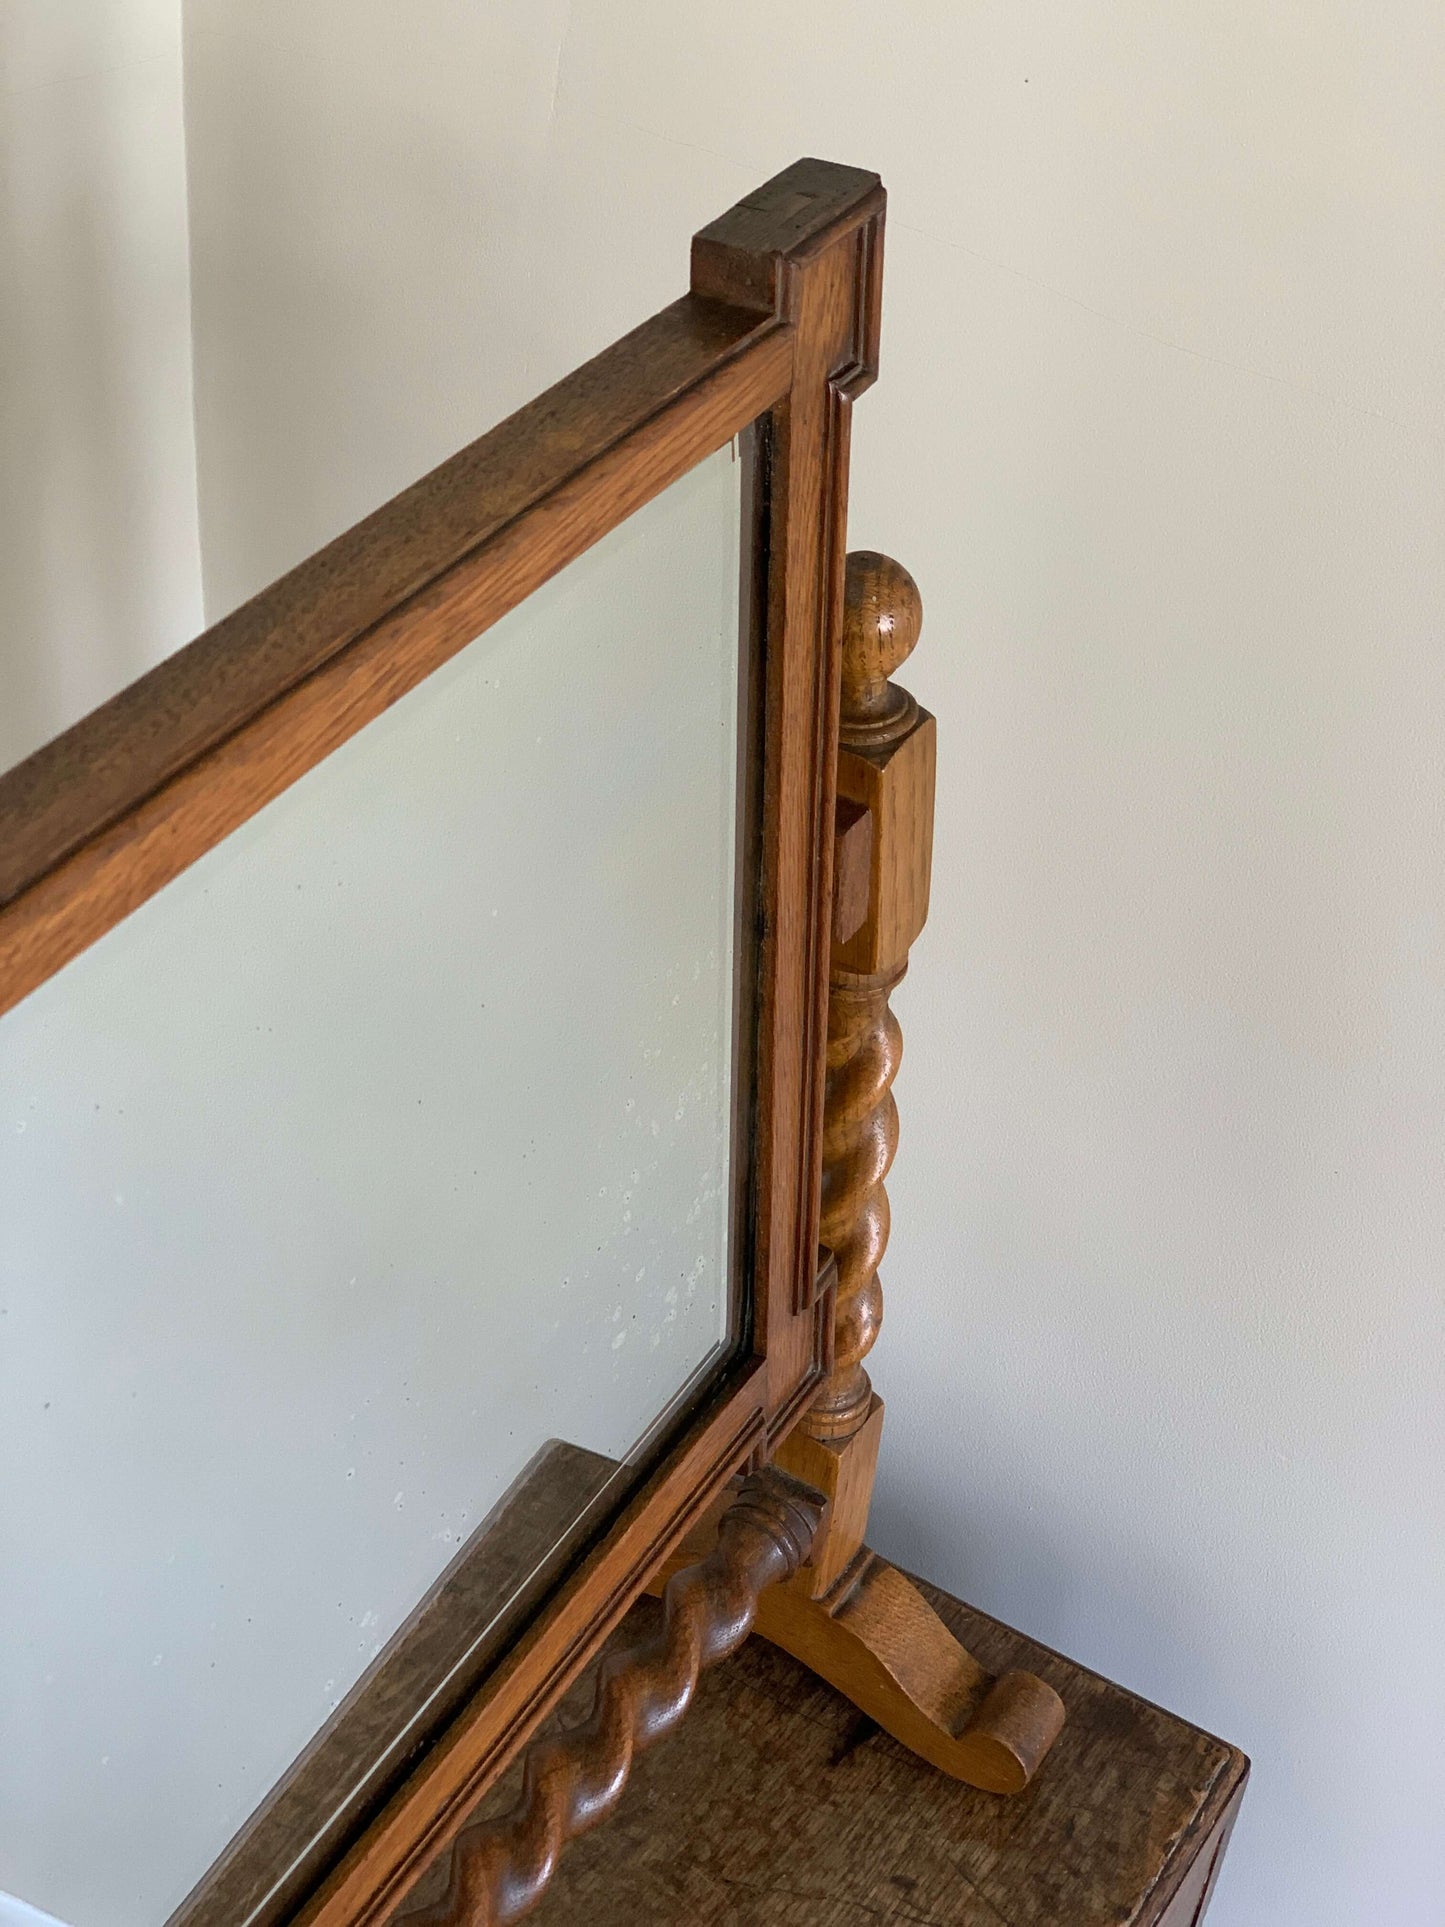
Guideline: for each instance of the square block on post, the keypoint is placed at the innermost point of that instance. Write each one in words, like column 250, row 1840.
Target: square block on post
column 894, row 783
column 842, row 1470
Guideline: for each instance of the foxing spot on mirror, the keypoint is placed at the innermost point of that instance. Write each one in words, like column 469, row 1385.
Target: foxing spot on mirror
column 377, row 1180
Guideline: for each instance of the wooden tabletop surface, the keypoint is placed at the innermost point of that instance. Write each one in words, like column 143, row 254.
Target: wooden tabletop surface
column 775, row 1804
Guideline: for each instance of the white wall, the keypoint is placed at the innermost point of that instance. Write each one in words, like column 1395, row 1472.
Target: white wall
column 99, row 552
column 1159, row 432
column 369, row 289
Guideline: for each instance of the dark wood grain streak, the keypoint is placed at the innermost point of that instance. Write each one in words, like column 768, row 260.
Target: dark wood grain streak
column 776, row 1806
column 1196, row 1889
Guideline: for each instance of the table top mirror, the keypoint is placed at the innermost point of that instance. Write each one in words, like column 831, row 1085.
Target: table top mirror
column 411, row 1010
column 444, row 1095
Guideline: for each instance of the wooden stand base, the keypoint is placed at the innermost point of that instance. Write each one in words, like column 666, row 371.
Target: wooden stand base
column 775, row 1804
column 867, row 1630
column 878, row 1641
column 847, row 1615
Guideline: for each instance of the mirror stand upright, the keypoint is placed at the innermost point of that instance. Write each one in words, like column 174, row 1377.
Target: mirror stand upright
column 785, row 1553
column 849, row 1615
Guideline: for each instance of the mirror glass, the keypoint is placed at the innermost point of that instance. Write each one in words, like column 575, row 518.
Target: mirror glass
column 367, row 1203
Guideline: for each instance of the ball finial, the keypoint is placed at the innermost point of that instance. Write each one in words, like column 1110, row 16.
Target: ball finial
column 882, row 615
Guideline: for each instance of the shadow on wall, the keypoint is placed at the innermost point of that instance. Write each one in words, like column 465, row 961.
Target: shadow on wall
column 1037, row 1559
column 364, row 249
column 99, row 567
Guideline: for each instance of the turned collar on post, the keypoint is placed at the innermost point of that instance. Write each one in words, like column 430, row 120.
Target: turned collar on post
column 882, row 617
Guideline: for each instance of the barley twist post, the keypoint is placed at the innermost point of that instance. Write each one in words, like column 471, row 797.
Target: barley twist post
column 884, row 852
column 849, row 1615
column 502, row 1865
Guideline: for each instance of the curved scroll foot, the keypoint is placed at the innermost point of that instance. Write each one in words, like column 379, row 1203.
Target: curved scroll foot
column 874, row 1637
column 877, row 1640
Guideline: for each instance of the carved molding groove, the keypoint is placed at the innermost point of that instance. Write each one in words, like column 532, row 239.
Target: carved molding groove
column 501, row 1867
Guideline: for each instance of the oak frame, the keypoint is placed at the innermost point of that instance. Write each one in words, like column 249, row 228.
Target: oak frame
column 780, row 328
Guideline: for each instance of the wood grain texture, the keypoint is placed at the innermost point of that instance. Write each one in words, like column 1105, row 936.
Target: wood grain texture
column 780, row 329
column 147, row 784
column 778, row 1805
column 886, row 763
column 852, row 868
column 812, row 237
column 501, row 1866
column 1196, row 1890
column 844, row 1475
column 894, row 783
column 747, row 256
column 883, row 614
column 860, row 1137
column 857, row 1622
column 70, row 789
column 875, row 1637
column 870, row 1633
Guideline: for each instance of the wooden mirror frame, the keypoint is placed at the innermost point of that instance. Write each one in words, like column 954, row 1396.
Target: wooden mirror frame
column 778, row 333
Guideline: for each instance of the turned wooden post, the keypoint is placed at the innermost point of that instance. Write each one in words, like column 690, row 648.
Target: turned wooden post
column 501, row 1865
column 883, row 858
column 848, row 1614
column 885, row 767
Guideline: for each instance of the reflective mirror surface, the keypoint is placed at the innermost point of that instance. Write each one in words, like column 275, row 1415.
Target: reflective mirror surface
column 382, row 1156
